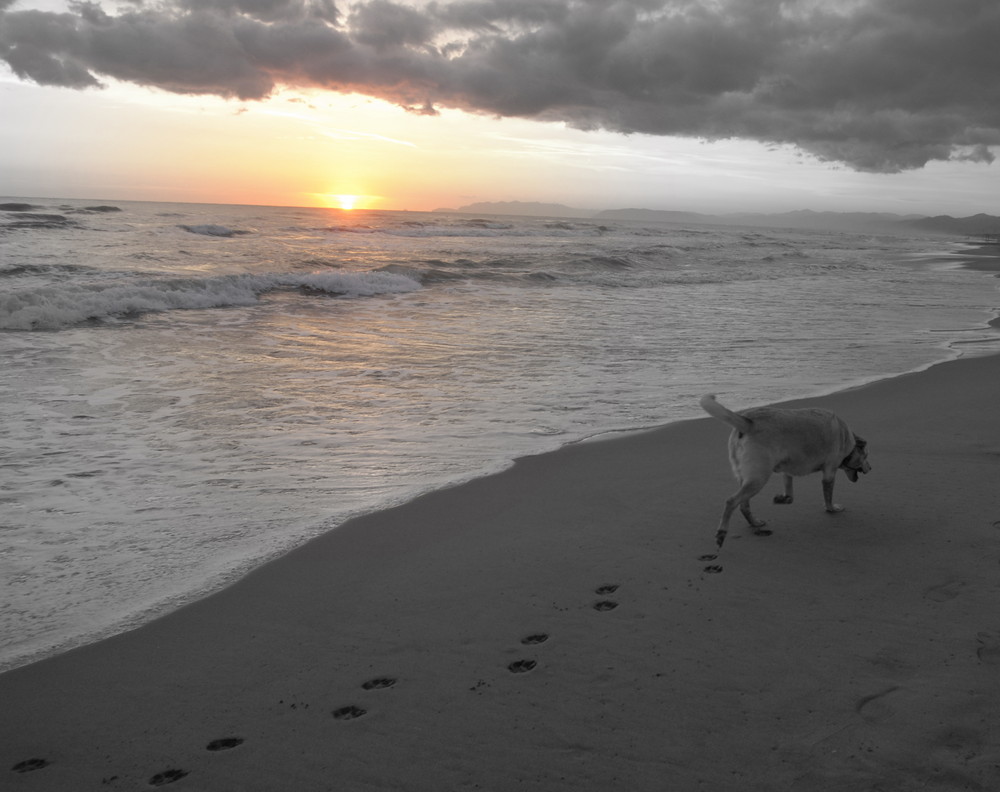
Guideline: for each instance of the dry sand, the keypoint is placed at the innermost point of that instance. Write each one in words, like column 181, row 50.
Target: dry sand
column 857, row 651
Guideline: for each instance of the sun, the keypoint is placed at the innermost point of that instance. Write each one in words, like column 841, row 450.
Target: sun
column 345, row 202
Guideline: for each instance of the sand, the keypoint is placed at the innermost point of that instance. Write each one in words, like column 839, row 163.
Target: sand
column 553, row 628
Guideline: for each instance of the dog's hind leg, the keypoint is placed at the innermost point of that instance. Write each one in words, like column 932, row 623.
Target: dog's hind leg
column 786, row 496
column 740, row 498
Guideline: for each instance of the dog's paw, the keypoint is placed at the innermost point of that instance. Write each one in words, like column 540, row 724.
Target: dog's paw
column 224, row 744
column 782, row 498
column 37, row 764
column 834, row 508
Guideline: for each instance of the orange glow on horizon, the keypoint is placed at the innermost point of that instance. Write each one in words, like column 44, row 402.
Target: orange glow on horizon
column 347, row 201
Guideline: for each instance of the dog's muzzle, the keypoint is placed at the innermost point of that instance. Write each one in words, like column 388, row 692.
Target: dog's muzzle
column 853, row 469
column 857, row 460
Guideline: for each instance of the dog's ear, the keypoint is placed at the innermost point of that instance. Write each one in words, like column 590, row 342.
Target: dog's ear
column 859, row 441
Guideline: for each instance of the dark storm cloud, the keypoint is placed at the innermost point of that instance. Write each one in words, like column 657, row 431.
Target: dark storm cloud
column 882, row 85
column 264, row 10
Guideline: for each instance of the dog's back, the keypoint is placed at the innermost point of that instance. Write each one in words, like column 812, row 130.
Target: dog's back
column 809, row 425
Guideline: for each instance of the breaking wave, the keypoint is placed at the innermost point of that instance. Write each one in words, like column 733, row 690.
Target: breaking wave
column 64, row 305
column 453, row 227
column 210, row 229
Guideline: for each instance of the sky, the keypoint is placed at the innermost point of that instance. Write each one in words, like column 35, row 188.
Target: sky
column 691, row 105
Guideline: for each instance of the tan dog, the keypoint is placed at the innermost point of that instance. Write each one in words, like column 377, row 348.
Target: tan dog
column 793, row 442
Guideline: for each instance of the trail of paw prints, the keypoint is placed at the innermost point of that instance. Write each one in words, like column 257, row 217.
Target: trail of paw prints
column 521, row 666
column 379, row 683
column 30, row 765
column 167, row 777
column 349, row 712
column 711, row 569
column 163, row 778
column 524, row 665
column 224, row 744
column 353, row 711
column 176, row 774
column 606, row 604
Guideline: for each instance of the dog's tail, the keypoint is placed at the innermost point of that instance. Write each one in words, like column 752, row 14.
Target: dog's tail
column 716, row 410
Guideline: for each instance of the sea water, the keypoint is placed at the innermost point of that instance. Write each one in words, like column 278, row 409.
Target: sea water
column 190, row 390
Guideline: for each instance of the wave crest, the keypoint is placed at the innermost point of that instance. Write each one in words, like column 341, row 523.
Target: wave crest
column 213, row 230
column 64, row 305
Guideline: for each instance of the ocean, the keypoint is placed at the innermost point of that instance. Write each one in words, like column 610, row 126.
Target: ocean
column 190, row 390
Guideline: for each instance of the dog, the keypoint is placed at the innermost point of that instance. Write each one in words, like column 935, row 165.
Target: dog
column 769, row 440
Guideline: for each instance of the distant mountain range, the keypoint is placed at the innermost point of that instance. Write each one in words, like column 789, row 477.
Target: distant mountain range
column 522, row 208
column 977, row 225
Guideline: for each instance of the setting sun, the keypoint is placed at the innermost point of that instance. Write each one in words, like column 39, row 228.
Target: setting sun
column 346, row 201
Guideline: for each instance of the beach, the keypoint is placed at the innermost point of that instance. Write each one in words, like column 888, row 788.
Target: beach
column 191, row 391
column 352, row 385
column 554, row 627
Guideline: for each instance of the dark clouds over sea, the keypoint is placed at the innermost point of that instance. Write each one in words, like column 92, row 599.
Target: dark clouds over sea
column 880, row 85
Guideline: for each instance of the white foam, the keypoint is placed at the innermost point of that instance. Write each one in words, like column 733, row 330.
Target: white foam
column 59, row 306
column 210, row 229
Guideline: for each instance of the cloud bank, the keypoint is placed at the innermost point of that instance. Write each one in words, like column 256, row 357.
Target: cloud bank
column 880, row 85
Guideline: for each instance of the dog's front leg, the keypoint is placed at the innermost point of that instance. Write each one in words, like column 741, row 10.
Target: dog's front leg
column 831, row 507
column 786, row 496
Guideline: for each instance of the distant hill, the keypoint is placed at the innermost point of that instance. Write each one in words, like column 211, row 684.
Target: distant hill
column 658, row 216
column 806, row 219
column 945, row 224
column 873, row 222
column 523, row 208
column 827, row 221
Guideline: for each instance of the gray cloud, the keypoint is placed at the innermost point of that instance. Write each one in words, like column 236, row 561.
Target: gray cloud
column 881, row 85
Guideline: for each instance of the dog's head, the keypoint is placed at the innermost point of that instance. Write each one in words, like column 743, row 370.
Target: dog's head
column 857, row 461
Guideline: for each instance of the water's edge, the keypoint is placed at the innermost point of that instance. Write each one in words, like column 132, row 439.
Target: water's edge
column 210, row 586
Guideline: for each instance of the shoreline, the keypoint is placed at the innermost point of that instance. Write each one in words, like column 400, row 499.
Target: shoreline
column 844, row 651
column 982, row 257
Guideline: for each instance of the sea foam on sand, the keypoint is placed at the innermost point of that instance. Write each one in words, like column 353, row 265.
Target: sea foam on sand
column 552, row 627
